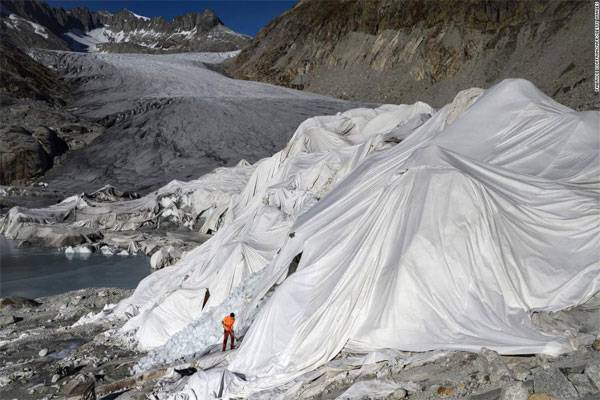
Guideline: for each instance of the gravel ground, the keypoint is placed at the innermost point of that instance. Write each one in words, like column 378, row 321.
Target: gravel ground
column 40, row 351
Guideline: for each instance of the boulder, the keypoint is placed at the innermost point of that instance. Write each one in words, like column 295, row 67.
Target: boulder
column 397, row 395
column 17, row 302
column 5, row 380
column 583, row 385
column 541, row 396
column 82, row 387
column 491, row 394
column 493, row 365
column 445, row 391
column 515, row 391
column 554, row 383
column 25, row 155
column 6, row 320
column 593, row 373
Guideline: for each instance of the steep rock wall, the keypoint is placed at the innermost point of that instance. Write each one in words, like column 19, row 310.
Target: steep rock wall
column 401, row 51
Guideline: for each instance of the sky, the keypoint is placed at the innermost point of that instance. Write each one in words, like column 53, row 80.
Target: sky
column 244, row 16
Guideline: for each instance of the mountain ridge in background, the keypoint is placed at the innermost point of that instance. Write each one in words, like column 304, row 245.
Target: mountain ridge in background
column 35, row 24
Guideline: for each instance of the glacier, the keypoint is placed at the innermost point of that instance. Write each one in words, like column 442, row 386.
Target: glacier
column 398, row 227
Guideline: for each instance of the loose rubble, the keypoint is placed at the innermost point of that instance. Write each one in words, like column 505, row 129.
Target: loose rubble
column 42, row 353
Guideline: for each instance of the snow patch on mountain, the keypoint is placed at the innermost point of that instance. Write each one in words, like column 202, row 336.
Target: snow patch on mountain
column 140, row 16
column 148, row 38
column 89, row 40
column 18, row 21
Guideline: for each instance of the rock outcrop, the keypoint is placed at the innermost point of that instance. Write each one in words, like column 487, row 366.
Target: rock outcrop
column 35, row 128
column 25, row 155
column 23, row 77
column 398, row 52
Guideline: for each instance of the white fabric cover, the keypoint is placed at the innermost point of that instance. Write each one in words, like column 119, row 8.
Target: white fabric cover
column 449, row 240
column 198, row 204
column 486, row 211
column 255, row 227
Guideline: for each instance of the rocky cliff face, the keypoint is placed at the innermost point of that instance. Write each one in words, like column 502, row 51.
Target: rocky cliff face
column 35, row 24
column 401, row 51
column 23, row 77
column 36, row 130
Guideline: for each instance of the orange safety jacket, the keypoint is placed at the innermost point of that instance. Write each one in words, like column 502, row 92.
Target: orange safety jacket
column 228, row 322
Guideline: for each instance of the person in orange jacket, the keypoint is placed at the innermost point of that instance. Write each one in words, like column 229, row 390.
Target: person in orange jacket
column 228, row 322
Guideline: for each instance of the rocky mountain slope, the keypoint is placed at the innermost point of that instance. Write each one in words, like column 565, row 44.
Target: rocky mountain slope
column 35, row 128
column 23, row 77
column 35, row 24
column 403, row 51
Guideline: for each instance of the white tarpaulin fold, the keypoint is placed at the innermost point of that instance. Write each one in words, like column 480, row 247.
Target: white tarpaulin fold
column 197, row 204
column 486, row 211
column 448, row 240
column 255, row 227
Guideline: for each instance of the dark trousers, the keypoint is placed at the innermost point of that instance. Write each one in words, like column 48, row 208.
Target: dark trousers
column 227, row 334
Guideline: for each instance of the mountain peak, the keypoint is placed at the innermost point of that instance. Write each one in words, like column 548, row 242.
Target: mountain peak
column 123, row 31
column 204, row 21
column 127, row 12
column 208, row 13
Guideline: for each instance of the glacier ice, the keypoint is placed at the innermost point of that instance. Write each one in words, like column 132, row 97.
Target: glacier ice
column 398, row 227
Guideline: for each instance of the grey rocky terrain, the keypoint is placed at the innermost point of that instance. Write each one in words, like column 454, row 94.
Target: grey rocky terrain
column 41, row 352
column 391, row 51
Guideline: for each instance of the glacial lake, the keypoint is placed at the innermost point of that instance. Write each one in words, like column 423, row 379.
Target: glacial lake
column 34, row 272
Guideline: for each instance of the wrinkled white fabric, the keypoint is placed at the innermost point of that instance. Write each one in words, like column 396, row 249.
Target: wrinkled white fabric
column 255, row 227
column 199, row 204
column 446, row 241
column 485, row 211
